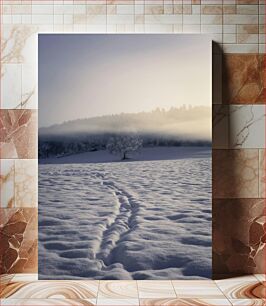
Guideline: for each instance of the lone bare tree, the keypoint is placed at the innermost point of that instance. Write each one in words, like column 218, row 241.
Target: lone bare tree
column 122, row 145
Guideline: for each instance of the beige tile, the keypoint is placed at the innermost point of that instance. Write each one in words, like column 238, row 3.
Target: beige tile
column 195, row 9
column 240, row 19
column 247, row 38
column 191, row 28
column 21, row 9
column 25, row 277
column 216, row 2
column 211, row 19
column 117, row 302
column 96, row 9
column 247, row 9
column 229, row 38
column 211, row 9
column 262, row 176
column 59, row 9
column 125, row 9
column 42, row 19
column 248, row 302
column 155, row 289
column 247, row 1
column 29, row 95
column 153, row 9
column 262, row 38
column 10, row 85
column 229, row 9
column 184, row 302
column 248, row 29
column 191, row 19
column 118, row 290
column 163, row 19
column 262, row 49
column 42, row 9
column 240, row 48
column 197, row 289
column 187, row 9
column 178, row 9
column 211, row 28
column 79, row 9
column 229, row 28
column 120, row 19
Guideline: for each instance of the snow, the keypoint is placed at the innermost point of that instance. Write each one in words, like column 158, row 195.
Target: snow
column 155, row 153
column 148, row 219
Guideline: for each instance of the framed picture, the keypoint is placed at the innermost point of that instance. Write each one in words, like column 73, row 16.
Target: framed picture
column 124, row 156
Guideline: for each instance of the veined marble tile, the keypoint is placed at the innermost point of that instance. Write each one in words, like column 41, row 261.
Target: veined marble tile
column 184, row 302
column 10, row 85
column 26, row 183
column 19, row 183
column 52, row 290
column 238, row 243
column 155, row 289
column 243, row 79
column 242, row 287
column 18, row 232
column 220, row 126
column 247, row 126
column 118, row 290
column 19, row 44
column 48, row 302
column 18, row 133
column 197, row 289
column 248, row 302
column 235, row 173
column 7, row 182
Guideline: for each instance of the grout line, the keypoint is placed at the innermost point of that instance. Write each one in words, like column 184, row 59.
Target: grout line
column 175, row 289
column 138, row 291
column 98, row 289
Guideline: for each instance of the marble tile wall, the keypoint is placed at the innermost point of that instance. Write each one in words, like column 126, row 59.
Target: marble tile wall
column 237, row 28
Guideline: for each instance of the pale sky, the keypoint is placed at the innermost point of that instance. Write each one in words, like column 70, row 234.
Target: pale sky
column 88, row 75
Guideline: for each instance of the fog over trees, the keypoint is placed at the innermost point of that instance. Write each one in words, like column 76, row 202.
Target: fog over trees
column 183, row 126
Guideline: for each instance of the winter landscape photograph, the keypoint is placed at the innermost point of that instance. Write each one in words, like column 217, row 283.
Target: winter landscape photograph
column 124, row 156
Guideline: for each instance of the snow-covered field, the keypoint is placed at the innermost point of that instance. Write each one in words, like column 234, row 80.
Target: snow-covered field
column 129, row 220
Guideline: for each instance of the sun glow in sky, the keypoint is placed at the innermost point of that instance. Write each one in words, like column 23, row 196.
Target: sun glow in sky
column 88, row 75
